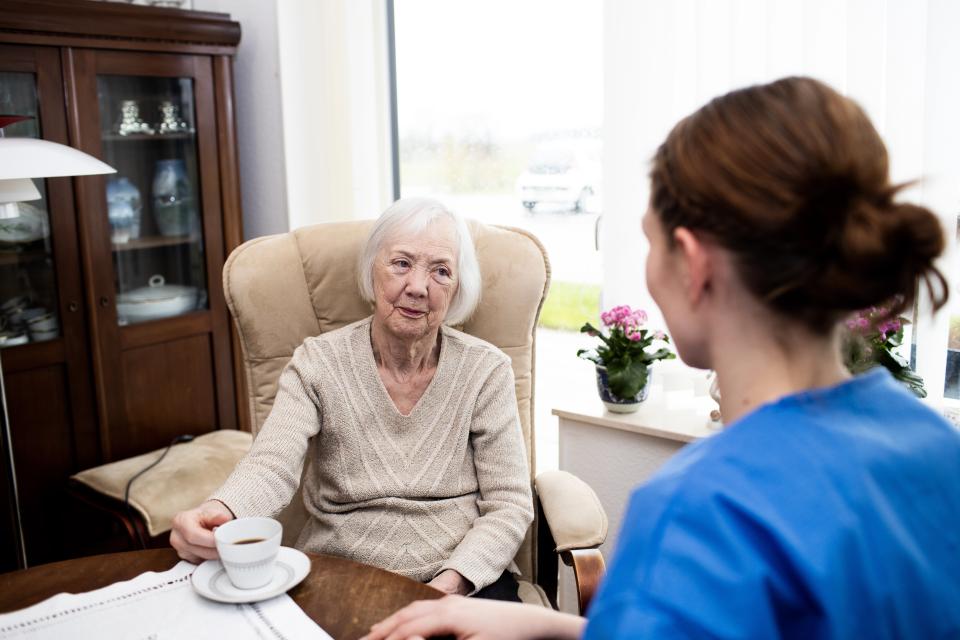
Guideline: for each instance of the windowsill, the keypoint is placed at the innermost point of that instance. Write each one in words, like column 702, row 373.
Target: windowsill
column 677, row 415
column 949, row 409
column 676, row 426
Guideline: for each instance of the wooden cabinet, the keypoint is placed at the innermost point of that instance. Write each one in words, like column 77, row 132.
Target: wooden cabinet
column 128, row 266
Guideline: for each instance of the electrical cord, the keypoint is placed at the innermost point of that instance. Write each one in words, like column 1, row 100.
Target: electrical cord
column 126, row 492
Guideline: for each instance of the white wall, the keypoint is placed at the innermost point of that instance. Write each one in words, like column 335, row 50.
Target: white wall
column 311, row 81
column 259, row 114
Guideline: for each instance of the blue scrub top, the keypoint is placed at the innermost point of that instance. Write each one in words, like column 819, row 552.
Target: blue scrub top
column 833, row 513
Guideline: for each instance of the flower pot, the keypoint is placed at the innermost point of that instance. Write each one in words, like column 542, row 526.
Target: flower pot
column 615, row 403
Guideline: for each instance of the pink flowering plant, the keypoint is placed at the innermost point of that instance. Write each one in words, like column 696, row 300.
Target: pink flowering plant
column 623, row 349
column 872, row 338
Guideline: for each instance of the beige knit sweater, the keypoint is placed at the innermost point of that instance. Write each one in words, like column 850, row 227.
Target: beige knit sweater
column 446, row 487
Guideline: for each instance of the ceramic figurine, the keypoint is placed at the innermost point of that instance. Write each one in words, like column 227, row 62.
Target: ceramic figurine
column 171, row 122
column 130, row 122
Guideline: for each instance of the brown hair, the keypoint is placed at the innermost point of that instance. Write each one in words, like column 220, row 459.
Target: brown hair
column 793, row 179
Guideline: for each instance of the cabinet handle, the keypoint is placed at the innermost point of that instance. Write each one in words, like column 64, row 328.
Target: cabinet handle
column 72, row 307
column 104, row 301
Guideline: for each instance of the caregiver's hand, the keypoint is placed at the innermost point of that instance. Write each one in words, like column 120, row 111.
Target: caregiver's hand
column 477, row 620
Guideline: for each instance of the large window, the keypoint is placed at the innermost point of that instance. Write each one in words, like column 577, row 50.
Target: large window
column 500, row 107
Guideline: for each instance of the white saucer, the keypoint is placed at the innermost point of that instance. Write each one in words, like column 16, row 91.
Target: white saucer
column 210, row 579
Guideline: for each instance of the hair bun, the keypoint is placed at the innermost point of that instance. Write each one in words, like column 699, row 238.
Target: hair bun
column 881, row 252
column 919, row 233
column 868, row 236
column 793, row 179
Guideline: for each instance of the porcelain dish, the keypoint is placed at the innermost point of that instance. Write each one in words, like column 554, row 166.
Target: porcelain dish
column 30, row 225
column 210, row 579
column 157, row 300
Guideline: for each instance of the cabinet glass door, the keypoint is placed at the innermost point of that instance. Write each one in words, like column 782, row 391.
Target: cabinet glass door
column 148, row 132
column 28, row 288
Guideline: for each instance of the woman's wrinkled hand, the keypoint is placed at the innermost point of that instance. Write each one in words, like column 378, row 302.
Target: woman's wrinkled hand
column 192, row 533
column 451, row 582
column 475, row 619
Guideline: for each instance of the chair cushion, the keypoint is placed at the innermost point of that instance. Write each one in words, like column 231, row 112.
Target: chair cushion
column 531, row 593
column 187, row 475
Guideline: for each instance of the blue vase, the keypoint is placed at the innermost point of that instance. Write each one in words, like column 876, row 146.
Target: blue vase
column 173, row 206
column 123, row 210
column 615, row 403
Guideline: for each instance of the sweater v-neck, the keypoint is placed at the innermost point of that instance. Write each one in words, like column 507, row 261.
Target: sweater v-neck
column 385, row 395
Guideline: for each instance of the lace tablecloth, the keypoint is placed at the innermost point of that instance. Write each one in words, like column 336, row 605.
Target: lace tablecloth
column 158, row 606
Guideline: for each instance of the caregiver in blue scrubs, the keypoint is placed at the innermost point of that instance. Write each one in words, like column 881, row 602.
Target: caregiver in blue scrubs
column 829, row 507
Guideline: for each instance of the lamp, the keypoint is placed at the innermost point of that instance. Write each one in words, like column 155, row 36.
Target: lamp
column 22, row 159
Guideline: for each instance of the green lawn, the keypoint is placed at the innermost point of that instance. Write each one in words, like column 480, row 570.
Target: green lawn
column 569, row 305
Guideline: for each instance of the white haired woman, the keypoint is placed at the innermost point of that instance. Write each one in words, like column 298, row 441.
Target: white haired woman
column 409, row 428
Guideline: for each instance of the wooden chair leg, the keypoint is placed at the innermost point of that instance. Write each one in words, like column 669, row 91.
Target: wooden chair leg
column 134, row 527
column 588, row 569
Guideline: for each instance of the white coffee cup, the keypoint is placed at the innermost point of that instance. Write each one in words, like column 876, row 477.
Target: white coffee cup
column 248, row 549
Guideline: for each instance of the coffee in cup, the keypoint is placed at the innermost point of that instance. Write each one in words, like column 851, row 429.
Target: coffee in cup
column 248, row 549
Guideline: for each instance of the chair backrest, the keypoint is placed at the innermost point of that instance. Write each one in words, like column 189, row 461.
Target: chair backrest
column 285, row 288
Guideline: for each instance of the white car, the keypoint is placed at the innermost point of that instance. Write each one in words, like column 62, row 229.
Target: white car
column 561, row 172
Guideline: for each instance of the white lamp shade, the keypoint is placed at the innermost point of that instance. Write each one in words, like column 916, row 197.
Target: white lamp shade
column 34, row 158
column 18, row 190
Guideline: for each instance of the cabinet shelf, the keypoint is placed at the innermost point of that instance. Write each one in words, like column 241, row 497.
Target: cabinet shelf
column 21, row 257
column 151, row 242
column 116, row 137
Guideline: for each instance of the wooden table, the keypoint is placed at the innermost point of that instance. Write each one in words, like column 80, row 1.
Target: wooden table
column 342, row 596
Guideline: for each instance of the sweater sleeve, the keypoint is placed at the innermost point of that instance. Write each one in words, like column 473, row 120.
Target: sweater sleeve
column 265, row 480
column 505, row 500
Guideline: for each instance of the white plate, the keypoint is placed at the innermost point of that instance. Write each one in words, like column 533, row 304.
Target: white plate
column 210, row 579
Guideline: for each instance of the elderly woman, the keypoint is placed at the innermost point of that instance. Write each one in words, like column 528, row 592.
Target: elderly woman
column 409, row 428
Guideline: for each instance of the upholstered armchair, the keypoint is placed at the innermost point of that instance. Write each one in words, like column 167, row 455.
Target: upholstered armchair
column 282, row 289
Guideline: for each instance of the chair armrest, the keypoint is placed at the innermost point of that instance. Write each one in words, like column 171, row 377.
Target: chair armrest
column 572, row 511
column 588, row 569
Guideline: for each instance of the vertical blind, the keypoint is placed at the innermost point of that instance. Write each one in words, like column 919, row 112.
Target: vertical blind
column 897, row 58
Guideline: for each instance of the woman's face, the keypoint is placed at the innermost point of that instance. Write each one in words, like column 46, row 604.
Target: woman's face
column 670, row 282
column 414, row 279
